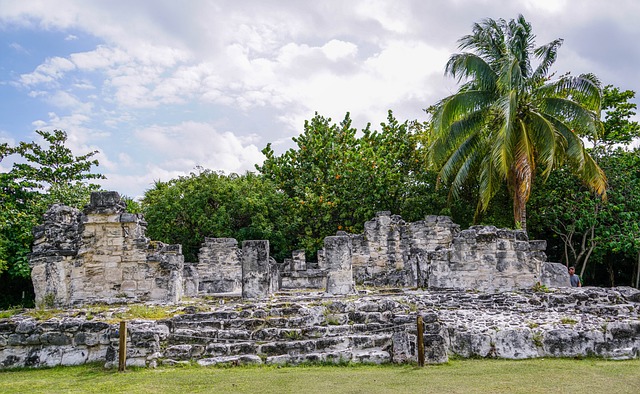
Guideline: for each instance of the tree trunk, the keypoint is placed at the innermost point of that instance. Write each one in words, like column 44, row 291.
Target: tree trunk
column 611, row 273
column 520, row 184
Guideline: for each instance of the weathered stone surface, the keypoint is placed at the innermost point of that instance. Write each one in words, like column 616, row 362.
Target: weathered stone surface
column 310, row 327
column 219, row 267
column 101, row 255
column 554, row 275
column 256, row 269
column 434, row 253
column 339, row 274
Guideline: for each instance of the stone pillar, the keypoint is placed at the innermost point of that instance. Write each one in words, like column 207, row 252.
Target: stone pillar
column 299, row 262
column 322, row 262
column 256, row 278
column 338, row 259
column 219, row 267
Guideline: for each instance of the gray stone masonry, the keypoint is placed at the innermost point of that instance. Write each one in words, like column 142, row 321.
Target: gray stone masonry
column 256, row 270
column 554, row 275
column 339, row 274
column 219, row 267
column 101, row 254
column 372, row 327
column 435, row 253
column 297, row 274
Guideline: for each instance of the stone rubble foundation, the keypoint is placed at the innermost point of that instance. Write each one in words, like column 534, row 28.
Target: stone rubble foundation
column 370, row 327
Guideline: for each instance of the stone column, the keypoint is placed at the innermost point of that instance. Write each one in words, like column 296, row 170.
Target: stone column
column 299, row 260
column 338, row 259
column 255, row 269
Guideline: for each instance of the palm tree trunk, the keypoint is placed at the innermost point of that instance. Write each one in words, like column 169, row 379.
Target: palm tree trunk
column 519, row 209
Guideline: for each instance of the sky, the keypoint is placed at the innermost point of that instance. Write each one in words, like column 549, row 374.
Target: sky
column 160, row 88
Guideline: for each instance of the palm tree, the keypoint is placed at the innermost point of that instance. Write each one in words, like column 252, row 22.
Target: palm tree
column 509, row 121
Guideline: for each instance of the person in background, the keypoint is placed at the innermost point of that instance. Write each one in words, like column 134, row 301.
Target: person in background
column 575, row 279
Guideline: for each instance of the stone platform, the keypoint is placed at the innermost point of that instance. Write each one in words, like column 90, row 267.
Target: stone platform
column 370, row 326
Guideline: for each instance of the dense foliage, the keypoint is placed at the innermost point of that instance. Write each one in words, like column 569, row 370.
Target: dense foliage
column 601, row 238
column 209, row 204
column 336, row 178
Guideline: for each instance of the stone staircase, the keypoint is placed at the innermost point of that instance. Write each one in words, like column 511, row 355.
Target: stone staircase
column 291, row 330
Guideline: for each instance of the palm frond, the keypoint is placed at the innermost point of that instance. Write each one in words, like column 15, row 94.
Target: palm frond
column 594, row 177
column 504, row 141
column 465, row 169
column 489, row 182
column 457, row 106
column 571, row 112
column 543, row 137
column 487, row 39
column 573, row 146
column 547, row 54
column 459, row 156
column 584, row 89
column 471, row 66
column 457, row 132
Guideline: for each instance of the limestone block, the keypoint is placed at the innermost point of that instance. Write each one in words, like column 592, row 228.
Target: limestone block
column 401, row 347
column 340, row 272
column 554, row 275
column 435, row 349
column 128, row 285
column 105, row 203
column 255, row 269
column 74, row 356
column 299, row 260
column 515, row 344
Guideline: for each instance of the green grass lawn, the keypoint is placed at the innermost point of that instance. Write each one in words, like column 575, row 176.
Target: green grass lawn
column 458, row 376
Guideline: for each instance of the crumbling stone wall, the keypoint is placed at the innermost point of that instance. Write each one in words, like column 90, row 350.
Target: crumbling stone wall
column 297, row 273
column 434, row 253
column 102, row 254
column 485, row 258
column 390, row 251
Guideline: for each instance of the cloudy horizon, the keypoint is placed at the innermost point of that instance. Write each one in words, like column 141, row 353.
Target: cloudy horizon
column 161, row 87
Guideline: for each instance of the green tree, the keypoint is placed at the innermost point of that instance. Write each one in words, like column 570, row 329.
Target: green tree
column 509, row 120
column 337, row 177
column 210, row 204
column 618, row 129
column 582, row 229
column 40, row 176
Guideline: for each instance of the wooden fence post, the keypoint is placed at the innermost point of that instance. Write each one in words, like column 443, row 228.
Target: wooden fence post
column 420, row 341
column 122, row 349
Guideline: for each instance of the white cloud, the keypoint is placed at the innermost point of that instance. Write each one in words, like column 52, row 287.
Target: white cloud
column 550, row 6
column 62, row 99
column 336, row 49
column 51, row 70
column 190, row 144
column 99, row 58
column 18, row 48
column 392, row 16
column 262, row 68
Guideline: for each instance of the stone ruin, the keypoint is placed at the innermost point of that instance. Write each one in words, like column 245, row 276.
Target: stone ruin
column 102, row 254
column 472, row 288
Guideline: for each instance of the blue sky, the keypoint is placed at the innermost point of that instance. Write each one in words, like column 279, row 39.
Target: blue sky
column 160, row 87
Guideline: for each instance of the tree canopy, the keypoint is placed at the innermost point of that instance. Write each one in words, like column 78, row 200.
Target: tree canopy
column 40, row 176
column 510, row 120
